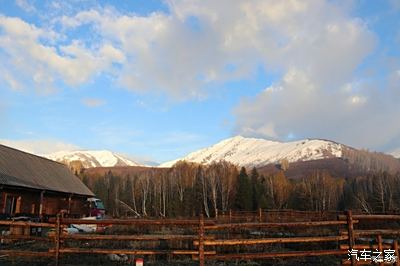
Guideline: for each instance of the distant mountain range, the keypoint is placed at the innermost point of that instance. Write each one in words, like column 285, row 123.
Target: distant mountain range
column 259, row 152
column 238, row 150
column 91, row 159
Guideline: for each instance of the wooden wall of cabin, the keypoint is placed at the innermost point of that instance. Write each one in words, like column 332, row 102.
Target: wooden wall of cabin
column 2, row 200
column 27, row 202
column 79, row 207
column 30, row 202
column 52, row 204
column 23, row 201
column 74, row 206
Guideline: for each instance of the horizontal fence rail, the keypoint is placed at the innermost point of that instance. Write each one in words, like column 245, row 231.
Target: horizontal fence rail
column 205, row 239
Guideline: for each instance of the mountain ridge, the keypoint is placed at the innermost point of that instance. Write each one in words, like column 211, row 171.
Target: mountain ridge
column 92, row 158
column 258, row 152
column 239, row 150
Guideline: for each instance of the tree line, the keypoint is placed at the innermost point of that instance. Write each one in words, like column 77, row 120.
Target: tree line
column 189, row 188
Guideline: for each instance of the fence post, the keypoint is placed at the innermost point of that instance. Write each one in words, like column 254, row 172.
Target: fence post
column 380, row 248
column 57, row 238
column 201, row 240
column 260, row 215
column 350, row 228
column 230, row 215
column 396, row 252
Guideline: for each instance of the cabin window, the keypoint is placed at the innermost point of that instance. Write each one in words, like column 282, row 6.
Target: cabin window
column 11, row 204
column 18, row 205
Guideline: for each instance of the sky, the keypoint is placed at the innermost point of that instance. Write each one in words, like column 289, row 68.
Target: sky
column 155, row 80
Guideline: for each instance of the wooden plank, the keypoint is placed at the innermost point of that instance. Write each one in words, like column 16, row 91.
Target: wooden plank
column 23, row 253
column 131, row 252
column 201, row 241
column 396, row 252
column 57, row 239
column 130, row 237
column 377, row 232
column 380, row 248
column 161, row 222
column 364, row 246
column 372, row 217
column 253, row 256
column 32, row 224
column 260, row 225
column 359, row 262
column 24, row 237
column 377, row 217
column 350, row 231
column 234, row 242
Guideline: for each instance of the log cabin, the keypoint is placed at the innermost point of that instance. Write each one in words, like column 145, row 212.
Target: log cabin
column 37, row 187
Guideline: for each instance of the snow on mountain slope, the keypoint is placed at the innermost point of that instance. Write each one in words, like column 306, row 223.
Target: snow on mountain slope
column 92, row 158
column 396, row 153
column 258, row 152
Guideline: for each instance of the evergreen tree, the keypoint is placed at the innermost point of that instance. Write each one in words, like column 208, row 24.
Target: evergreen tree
column 127, row 195
column 197, row 193
column 258, row 191
column 85, row 181
column 243, row 198
column 262, row 200
column 100, row 190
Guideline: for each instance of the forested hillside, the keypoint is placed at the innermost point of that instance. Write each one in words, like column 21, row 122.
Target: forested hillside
column 367, row 181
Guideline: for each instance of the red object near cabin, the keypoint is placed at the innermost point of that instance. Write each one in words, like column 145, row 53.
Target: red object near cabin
column 96, row 208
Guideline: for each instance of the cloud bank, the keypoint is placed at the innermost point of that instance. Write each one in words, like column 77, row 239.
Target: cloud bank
column 317, row 47
column 34, row 56
column 41, row 147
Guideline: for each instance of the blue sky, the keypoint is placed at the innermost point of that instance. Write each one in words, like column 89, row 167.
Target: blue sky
column 156, row 80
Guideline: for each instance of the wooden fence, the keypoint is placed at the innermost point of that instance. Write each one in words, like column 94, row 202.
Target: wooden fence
column 291, row 234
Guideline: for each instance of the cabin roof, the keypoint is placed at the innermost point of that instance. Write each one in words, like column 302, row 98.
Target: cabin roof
column 18, row 168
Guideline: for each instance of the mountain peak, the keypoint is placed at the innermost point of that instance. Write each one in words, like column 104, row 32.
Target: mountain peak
column 92, row 158
column 258, row 152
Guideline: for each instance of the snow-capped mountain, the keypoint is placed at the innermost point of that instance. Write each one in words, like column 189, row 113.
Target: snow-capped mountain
column 258, row 152
column 396, row 153
column 92, row 158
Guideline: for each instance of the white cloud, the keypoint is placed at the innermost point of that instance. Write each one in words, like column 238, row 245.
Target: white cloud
column 9, row 79
column 362, row 117
column 28, row 53
column 39, row 147
column 26, row 5
column 317, row 45
column 357, row 100
column 395, row 4
column 202, row 43
column 196, row 44
column 92, row 102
